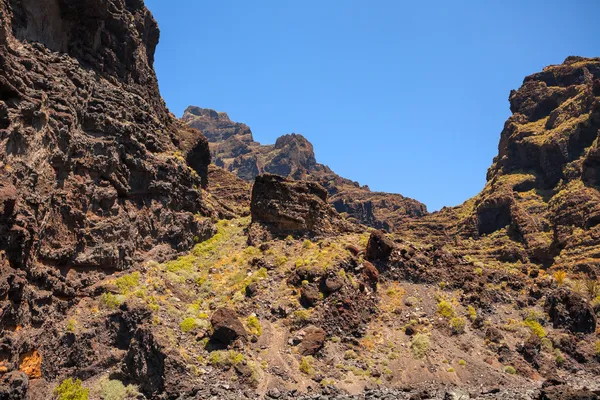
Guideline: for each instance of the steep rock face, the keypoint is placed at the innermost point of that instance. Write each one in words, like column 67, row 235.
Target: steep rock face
column 541, row 203
column 92, row 178
column 233, row 148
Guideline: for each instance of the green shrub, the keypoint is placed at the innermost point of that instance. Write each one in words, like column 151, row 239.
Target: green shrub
column 306, row 365
column 597, row 349
column 472, row 313
column 281, row 261
column 307, row 244
column 419, row 345
column 462, row 363
column 127, row 282
column 71, row 390
column 457, row 324
column 188, row 324
column 224, row 358
column 535, row 327
column 71, row 325
column 350, row 355
column 110, row 301
column 445, row 309
column 558, row 357
column 509, row 369
column 115, row 390
column 254, row 325
column 451, row 370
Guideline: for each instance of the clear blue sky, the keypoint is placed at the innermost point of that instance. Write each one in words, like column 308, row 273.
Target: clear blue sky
column 405, row 96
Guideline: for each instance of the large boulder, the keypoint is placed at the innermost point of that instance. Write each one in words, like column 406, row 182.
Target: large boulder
column 285, row 207
column 570, row 311
column 227, row 327
column 379, row 247
column 312, row 339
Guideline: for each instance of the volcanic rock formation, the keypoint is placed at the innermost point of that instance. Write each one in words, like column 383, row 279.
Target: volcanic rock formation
column 541, row 203
column 92, row 179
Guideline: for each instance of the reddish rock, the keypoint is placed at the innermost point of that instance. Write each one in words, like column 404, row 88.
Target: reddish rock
column 313, row 339
column 379, row 247
column 227, row 327
column 287, row 207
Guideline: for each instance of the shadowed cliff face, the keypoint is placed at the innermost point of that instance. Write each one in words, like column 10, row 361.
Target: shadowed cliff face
column 233, row 148
column 91, row 175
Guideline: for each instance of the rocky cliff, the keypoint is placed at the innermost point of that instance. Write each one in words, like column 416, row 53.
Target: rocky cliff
column 233, row 148
column 91, row 176
column 541, row 203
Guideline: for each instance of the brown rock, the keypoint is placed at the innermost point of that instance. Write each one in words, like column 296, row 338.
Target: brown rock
column 227, row 327
column 287, row 207
column 309, row 295
column 312, row 341
column 571, row 311
column 379, row 247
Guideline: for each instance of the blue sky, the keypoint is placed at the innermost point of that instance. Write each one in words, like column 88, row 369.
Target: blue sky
column 406, row 96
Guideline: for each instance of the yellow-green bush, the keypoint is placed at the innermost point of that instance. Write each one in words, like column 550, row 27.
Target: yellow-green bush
column 254, row 326
column 535, row 327
column 110, row 301
column 306, row 365
column 188, row 324
column 457, row 324
column 445, row 309
column 224, row 358
column 71, row 390
column 126, row 283
column 419, row 345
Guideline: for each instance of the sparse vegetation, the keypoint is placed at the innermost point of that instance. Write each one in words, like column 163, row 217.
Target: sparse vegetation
column 189, row 324
column 71, row 323
column 457, row 325
column 535, row 327
column 116, row 390
column 559, row 277
column 110, row 301
column 420, row 345
column 225, row 358
column 127, row 283
column 71, row 389
column 253, row 324
column 306, row 365
column 445, row 309
column 509, row 369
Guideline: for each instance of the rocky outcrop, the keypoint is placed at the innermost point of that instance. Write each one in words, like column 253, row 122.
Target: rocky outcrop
column 541, row 203
column 227, row 327
column 570, row 311
column 292, row 156
column 285, row 207
column 92, row 178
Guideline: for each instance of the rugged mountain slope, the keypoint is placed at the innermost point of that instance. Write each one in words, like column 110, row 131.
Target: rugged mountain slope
column 234, row 149
column 541, row 203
